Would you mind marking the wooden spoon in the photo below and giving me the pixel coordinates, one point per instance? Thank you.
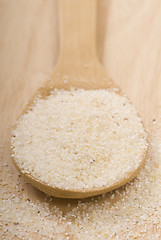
(77, 67)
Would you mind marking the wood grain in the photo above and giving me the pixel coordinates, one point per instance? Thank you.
(128, 46)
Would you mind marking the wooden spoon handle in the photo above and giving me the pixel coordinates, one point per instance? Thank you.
(77, 31)
(78, 65)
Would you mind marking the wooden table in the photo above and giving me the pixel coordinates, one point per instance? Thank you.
(128, 44)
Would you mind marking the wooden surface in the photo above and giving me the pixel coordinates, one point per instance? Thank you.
(128, 46)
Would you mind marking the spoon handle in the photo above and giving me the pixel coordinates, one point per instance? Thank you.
(77, 20)
(78, 65)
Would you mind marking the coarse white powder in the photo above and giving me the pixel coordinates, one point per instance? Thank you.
(130, 212)
(80, 139)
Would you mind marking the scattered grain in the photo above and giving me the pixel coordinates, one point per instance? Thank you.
(133, 212)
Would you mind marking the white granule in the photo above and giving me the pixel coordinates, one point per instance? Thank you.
(80, 139)
(132, 212)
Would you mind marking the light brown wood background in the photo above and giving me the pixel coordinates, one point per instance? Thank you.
(128, 44)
